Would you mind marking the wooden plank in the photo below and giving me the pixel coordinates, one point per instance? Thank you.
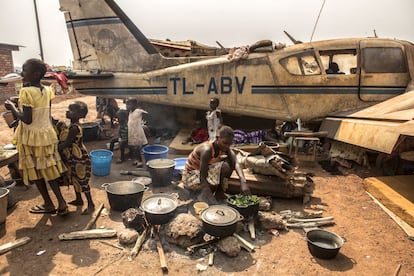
(176, 143)
(263, 185)
(404, 226)
(394, 192)
(14, 244)
(88, 234)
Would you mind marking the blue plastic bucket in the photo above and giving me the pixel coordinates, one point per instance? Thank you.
(179, 166)
(101, 160)
(154, 152)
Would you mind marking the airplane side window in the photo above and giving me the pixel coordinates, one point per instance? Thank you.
(301, 65)
(384, 60)
(340, 62)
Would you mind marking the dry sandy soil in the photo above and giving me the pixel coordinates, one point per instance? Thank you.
(375, 245)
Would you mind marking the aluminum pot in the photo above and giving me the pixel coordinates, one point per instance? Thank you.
(246, 211)
(123, 195)
(159, 208)
(220, 220)
(323, 244)
(161, 171)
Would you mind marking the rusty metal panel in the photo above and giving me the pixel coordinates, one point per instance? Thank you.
(374, 135)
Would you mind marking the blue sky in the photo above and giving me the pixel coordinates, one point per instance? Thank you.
(231, 22)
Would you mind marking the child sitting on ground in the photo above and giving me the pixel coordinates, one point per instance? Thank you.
(198, 135)
(75, 155)
(122, 139)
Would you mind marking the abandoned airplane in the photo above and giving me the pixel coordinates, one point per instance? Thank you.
(262, 80)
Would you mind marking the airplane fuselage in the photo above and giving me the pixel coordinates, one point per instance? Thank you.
(276, 83)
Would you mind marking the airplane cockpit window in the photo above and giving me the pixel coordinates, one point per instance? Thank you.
(342, 62)
(384, 60)
(303, 64)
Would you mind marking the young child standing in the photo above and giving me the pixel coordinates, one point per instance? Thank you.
(214, 119)
(136, 134)
(122, 139)
(75, 155)
(36, 139)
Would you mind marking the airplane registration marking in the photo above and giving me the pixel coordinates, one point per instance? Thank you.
(223, 85)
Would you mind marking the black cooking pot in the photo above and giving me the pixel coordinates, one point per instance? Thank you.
(220, 220)
(159, 208)
(323, 244)
(246, 211)
(123, 195)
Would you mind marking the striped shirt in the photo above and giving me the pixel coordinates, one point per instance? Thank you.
(193, 160)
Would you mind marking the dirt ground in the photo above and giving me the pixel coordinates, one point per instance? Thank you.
(375, 245)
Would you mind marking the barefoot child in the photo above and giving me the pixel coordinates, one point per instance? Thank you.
(122, 139)
(214, 119)
(136, 134)
(75, 155)
(36, 140)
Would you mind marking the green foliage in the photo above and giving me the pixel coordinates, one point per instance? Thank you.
(243, 200)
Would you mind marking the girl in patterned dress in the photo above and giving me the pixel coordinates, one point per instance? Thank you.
(75, 155)
(36, 140)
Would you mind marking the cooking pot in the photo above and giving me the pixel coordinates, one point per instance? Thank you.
(123, 195)
(323, 244)
(246, 211)
(159, 208)
(161, 171)
(220, 220)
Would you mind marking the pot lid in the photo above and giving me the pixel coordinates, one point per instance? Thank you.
(159, 204)
(161, 163)
(220, 215)
(142, 180)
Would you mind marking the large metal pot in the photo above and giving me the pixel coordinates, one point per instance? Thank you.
(220, 220)
(323, 244)
(161, 171)
(159, 208)
(123, 195)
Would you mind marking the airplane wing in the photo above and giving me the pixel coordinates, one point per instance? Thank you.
(378, 127)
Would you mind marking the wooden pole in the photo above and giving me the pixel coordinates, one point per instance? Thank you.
(137, 246)
(94, 217)
(11, 245)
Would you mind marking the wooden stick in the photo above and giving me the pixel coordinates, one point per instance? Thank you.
(88, 234)
(113, 245)
(242, 245)
(163, 260)
(94, 217)
(11, 245)
(192, 247)
(243, 241)
(252, 230)
(211, 258)
(137, 246)
(397, 270)
(310, 219)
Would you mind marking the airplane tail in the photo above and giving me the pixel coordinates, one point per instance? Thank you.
(103, 38)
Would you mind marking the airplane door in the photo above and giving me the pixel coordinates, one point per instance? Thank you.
(384, 71)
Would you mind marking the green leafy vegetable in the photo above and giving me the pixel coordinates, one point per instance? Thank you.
(243, 200)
